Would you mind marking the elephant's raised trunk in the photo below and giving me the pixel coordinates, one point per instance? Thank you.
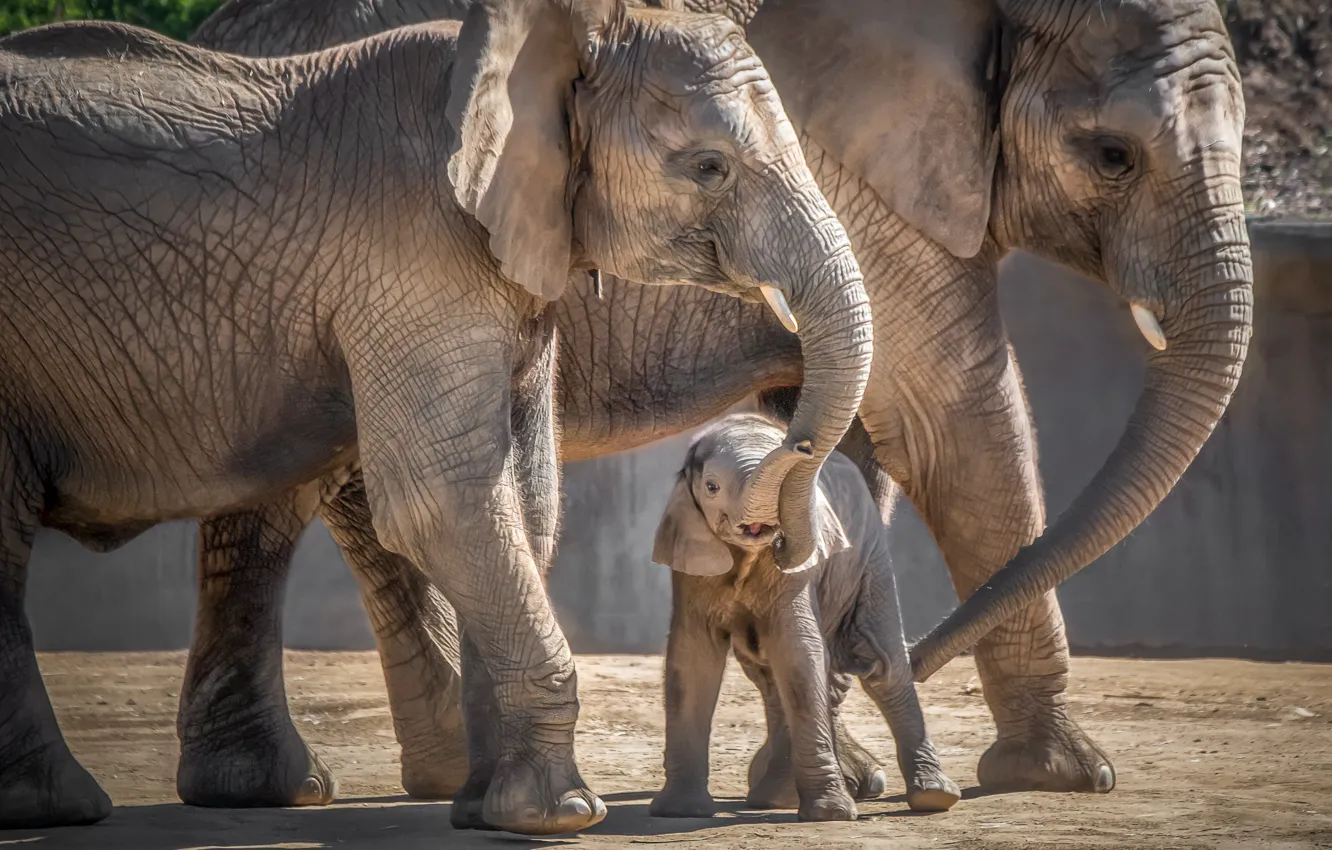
(832, 311)
(1186, 390)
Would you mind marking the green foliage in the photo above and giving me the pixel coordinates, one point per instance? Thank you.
(175, 18)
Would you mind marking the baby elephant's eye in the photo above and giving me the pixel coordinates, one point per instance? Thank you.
(712, 487)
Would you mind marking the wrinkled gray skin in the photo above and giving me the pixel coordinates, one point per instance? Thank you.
(224, 281)
(1100, 134)
(791, 632)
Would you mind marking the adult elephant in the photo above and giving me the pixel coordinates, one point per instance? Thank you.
(1101, 134)
(224, 279)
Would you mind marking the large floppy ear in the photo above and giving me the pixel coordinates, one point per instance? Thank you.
(684, 542)
(508, 105)
(904, 93)
(829, 536)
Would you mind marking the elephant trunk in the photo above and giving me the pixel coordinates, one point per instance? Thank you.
(828, 302)
(1186, 390)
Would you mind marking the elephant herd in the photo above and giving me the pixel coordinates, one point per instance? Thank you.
(389, 262)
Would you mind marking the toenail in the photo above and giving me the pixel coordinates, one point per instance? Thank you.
(1105, 779)
(600, 810)
(577, 806)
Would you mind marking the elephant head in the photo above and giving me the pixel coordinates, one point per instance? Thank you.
(1102, 134)
(652, 145)
(702, 523)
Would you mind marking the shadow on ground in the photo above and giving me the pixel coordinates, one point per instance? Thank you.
(368, 823)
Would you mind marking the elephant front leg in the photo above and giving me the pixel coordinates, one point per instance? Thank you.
(238, 745)
(417, 634)
(534, 435)
(800, 669)
(41, 783)
(695, 664)
(441, 474)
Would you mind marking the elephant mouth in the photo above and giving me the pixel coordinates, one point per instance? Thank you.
(756, 533)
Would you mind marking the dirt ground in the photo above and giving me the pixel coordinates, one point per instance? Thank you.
(1211, 754)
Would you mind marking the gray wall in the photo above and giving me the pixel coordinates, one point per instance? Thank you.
(1236, 561)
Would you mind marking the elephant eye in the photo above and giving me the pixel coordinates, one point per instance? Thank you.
(1114, 157)
(712, 487)
(707, 169)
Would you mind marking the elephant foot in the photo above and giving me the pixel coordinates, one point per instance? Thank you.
(49, 788)
(1063, 759)
(865, 779)
(694, 802)
(833, 804)
(469, 804)
(773, 792)
(253, 771)
(932, 791)
(438, 777)
(771, 785)
(528, 795)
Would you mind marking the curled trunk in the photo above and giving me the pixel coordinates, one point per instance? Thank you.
(836, 337)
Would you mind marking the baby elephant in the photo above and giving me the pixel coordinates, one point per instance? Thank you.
(838, 609)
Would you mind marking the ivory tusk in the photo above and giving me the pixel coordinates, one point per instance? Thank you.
(777, 301)
(1150, 327)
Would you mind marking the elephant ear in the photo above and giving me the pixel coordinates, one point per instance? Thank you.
(684, 542)
(508, 104)
(903, 93)
(829, 536)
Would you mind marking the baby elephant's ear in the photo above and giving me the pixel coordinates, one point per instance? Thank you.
(829, 536)
(684, 541)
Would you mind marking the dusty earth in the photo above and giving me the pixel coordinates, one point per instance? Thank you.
(1211, 754)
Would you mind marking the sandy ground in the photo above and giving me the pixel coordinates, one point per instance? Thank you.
(1211, 754)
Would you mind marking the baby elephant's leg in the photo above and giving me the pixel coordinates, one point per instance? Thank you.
(771, 785)
(800, 667)
(695, 663)
(889, 684)
(865, 779)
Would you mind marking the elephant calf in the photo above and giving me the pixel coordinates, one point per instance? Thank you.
(839, 606)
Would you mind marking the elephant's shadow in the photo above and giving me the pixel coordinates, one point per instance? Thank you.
(368, 823)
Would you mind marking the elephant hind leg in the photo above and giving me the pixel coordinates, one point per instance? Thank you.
(238, 745)
(888, 681)
(416, 632)
(41, 783)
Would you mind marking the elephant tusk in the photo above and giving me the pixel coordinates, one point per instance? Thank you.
(1150, 327)
(595, 275)
(777, 301)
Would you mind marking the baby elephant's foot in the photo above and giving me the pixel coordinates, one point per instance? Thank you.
(773, 792)
(692, 802)
(833, 804)
(931, 791)
(531, 795)
(865, 779)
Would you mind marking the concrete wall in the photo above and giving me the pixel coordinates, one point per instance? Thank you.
(1236, 561)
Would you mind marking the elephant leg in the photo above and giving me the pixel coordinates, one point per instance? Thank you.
(695, 664)
(865, 778)
(881, 647)
(238, 745)
(41, 783)
(771, 783)
(532, 423)
(416, 632)
(441, 473)
(957, 434)
(799, 665)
